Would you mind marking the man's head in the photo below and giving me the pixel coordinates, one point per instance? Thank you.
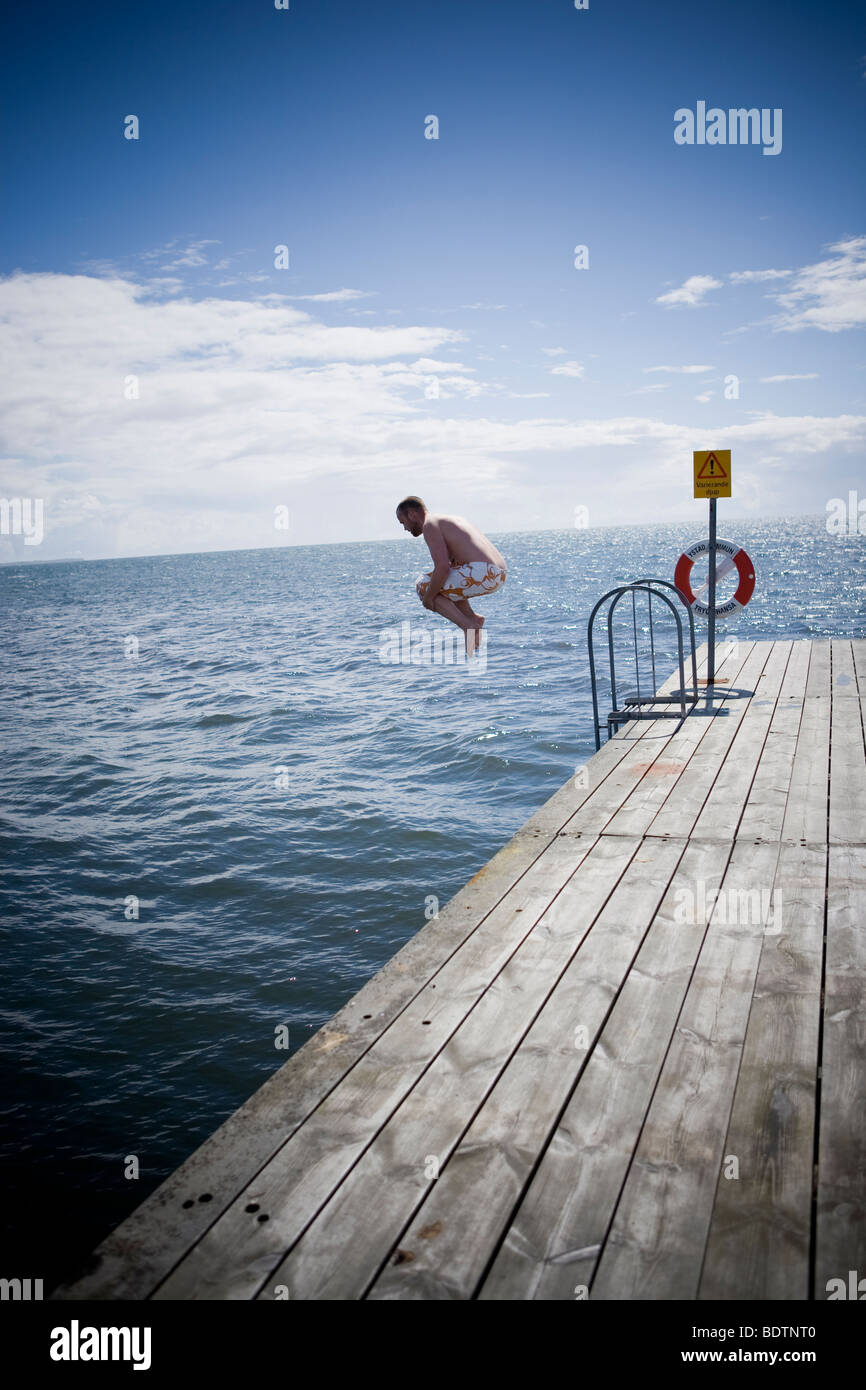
(410, 514)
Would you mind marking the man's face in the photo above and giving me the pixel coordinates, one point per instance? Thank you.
(411, 521)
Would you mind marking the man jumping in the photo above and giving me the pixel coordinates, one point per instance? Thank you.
(465, 565)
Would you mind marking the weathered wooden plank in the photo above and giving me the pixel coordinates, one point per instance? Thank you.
(239, 1250)
(553, 1243)
(444, 1253)
(645, 760)
(679, 813)
(767, 798)
(369, 1218)
(841, 1195)
(759, 1241)
(818, 684)
(656, 1243)
(727, 797)
(848, 769)
(806, 810)
(858, 653)
(844, 675)
(658, 778)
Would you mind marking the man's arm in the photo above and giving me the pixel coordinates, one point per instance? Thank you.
(441, 559)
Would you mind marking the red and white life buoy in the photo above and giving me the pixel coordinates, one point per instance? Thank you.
(737, 558)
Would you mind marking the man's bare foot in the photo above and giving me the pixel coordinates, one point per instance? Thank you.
(469, 612)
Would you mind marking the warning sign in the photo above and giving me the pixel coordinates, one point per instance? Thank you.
(712, 472)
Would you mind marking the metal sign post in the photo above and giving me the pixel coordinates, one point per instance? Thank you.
(711, 599)
(712, 468)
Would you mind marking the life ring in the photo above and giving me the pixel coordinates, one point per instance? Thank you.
(736, 556)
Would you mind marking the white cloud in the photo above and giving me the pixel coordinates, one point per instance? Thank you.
(246, 404)
(430, 364)
(691, 292)
(333, 296)
(218, 378)
(796, 376)
(555, 352)
(567, 369)
(528, 395)
(745, 277)
(706, 396)
(831, 294)
(687, 370)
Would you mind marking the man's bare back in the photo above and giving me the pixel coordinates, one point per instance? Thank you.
(464, 541)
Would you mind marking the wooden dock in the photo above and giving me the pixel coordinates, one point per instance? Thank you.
(626, 1061)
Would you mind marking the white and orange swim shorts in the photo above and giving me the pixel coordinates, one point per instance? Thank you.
(470, 580)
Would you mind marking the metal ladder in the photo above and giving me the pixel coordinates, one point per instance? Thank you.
(634, 703)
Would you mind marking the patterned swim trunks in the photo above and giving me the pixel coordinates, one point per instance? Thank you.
(469, 580)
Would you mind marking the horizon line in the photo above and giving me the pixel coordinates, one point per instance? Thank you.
(383, 540)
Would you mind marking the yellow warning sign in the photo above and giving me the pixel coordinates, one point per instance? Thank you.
(712, 472)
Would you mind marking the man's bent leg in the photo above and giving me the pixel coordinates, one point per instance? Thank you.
(466, 607)
(471, 626)
(449, 609)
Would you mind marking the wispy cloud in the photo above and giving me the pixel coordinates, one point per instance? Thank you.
(745, 277)
(691, 293)
(567, 369)
(172, 257)
(795, 376)
(688, 370)
(555, 352)
(830, 295)
(334, 296)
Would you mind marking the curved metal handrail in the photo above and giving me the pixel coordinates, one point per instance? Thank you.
(649, 586)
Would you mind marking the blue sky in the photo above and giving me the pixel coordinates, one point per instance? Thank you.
(431, 333)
